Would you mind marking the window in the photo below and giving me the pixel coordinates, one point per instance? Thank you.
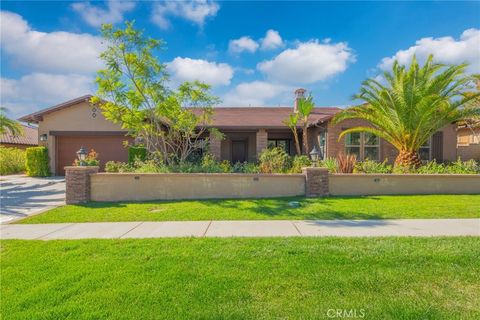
(363, 145)
(425, 150)
(279, 143)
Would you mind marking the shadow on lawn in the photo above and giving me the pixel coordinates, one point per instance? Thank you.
(268, 208)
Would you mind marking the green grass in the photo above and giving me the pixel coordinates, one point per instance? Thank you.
(290, 278)
(371, 207)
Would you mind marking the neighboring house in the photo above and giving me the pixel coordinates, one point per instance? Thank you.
(468, 142)
(75, 123)
(29, 138)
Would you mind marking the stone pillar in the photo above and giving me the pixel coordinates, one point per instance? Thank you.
(77, 181)
(215, 147)
(316, 182)
(262, 141)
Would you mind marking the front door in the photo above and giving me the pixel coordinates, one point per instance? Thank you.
(239, 151)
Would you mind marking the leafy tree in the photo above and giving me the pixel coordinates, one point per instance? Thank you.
(133, 91)
(8, 125)
(415, 102)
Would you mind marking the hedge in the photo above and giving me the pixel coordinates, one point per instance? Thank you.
(37, 162)
(12, 160)
(136, 153)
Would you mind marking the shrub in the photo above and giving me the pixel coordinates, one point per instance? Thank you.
(149, 166)
(12, 160)
(429, 168)
(274, 160)
(114, 166)
(465, 167)
(37, 163)
(330, 164)
(226, 166)
(370, 166)
(299, 162)
(210, 164)
(346, 162)
(137, 153)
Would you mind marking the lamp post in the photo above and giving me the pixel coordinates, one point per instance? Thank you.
(82, 154)
(314, 155)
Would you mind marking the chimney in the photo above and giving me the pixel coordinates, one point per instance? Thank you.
(299, 94)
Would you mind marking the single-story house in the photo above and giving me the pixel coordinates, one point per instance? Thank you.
(29, 138)
(66, 127)
(468, 140)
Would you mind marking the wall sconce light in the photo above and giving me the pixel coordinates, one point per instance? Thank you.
(43, 137)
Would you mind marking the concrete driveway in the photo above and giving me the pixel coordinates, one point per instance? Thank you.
(21, 196)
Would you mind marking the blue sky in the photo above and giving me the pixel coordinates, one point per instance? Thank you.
(253, 53)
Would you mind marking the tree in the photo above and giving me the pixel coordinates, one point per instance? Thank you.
(292, 122)
(412, 105)
(8, 125)
(133, 91)
(304, 108)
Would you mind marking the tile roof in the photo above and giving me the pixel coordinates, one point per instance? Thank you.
(29, 137)
(264, 117)
(223, 117)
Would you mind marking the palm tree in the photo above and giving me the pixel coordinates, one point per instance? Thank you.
(305, 107)
(8, 125)
(291, 122)
(413, 104)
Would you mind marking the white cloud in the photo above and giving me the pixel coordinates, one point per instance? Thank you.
(196, 11)
(95, 15)
(308, 63)
(445, 50)
(39, 90)
(58, 52)
(272, 40)
(243, 44)
(255, 93)
(186, 69)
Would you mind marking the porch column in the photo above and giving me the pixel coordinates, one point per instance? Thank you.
(262, 139)
(215, 147)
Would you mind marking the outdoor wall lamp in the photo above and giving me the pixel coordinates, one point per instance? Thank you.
(43, 137)
(314, 155)
(82, 154)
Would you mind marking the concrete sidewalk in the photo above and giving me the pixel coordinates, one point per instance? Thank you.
(260, 228)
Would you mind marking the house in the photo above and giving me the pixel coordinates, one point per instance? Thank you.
(468, 140)
(66, 127)
(29, 138)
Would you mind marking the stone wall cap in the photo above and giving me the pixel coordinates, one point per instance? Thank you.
(406, 175)
(80, 168)
(315, 168)
(200, 174)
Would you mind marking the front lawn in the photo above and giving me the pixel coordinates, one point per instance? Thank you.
(294, 278)
(368, 207)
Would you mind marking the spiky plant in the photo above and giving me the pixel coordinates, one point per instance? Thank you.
(414, 103)
(8, 125)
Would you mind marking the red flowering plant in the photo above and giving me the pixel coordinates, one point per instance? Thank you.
(90, 160)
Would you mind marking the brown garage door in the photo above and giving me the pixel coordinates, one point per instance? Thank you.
(108, 148)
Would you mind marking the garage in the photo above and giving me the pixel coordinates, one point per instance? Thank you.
(108, 147)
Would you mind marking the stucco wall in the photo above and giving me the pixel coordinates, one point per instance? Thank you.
(75, 118)
(142, 187)
(378, 184)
